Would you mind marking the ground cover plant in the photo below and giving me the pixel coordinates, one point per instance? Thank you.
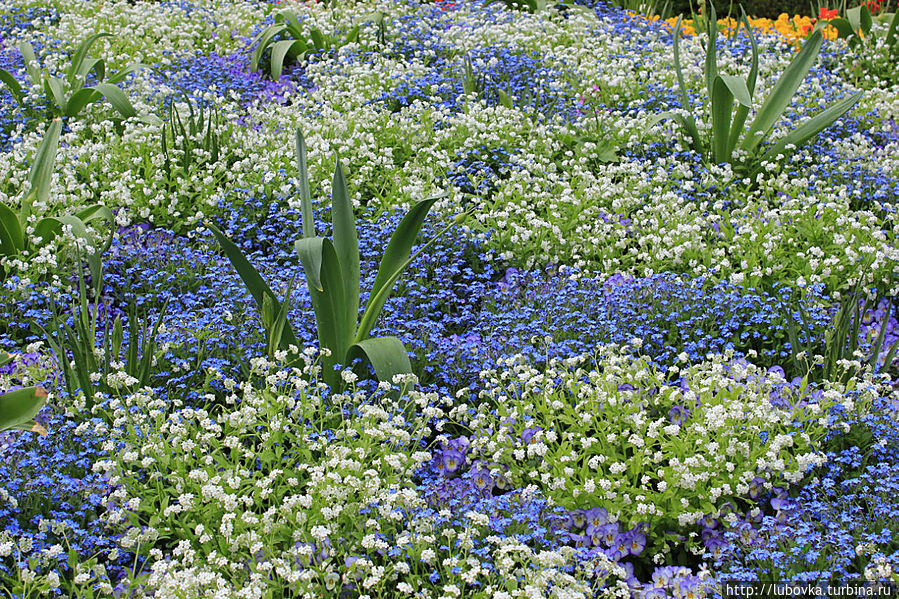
(445, 299)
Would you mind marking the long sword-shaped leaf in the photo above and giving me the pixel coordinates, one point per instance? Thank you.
(330, 308)
(13, 85)
(843, 27)
(394, 261)
(727, 88)
(291, 19)
(346, 243)
(263, 42)
(743, 109)
(309, 249)
(387, 355)
(119, 76)
(256, 285)
(711, 52)
(42, 170)
(275, 327)
(75, 68)
(860, 18)
(95, 64)
(782, 94)
(722, 109)
(812, 126)
(80, 99)
(282, 50)
(31, 64)
(54, 87)
(94, 260)
(116, 97)
(891, 32)
(48, 228)
(12, 238)
(688, 123)
(19, 407)
(305, 195)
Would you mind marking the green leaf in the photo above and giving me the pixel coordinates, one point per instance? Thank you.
(41, 173)
(12, 238)
(54, 87)
(281, 50)
(305, 195)
(13, 85)
(387, 355)
(254, 282)
(330, 308)
(131, 68)
(49, 227)
(394, 261)
(754, 66)
(739, 120)
(812, 126)
(843, 27)
(865, 20)
(75, 68)
(28, 56)
(276, 327)
(99, 211)
(688, 124)
(782, 94)
(268, 312)
(860, 19)
(116, 97)
(95, 64)
(891, 32)
(116, 339)
(46, 229)
(722, 108)
(80, 99)
(711, 52)
(309, 249)
(265, 38)
(605, 153)
(290, 17)
(79, 230)
(738, 88)
(318, 39)
(346, 243)
(19, 407)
